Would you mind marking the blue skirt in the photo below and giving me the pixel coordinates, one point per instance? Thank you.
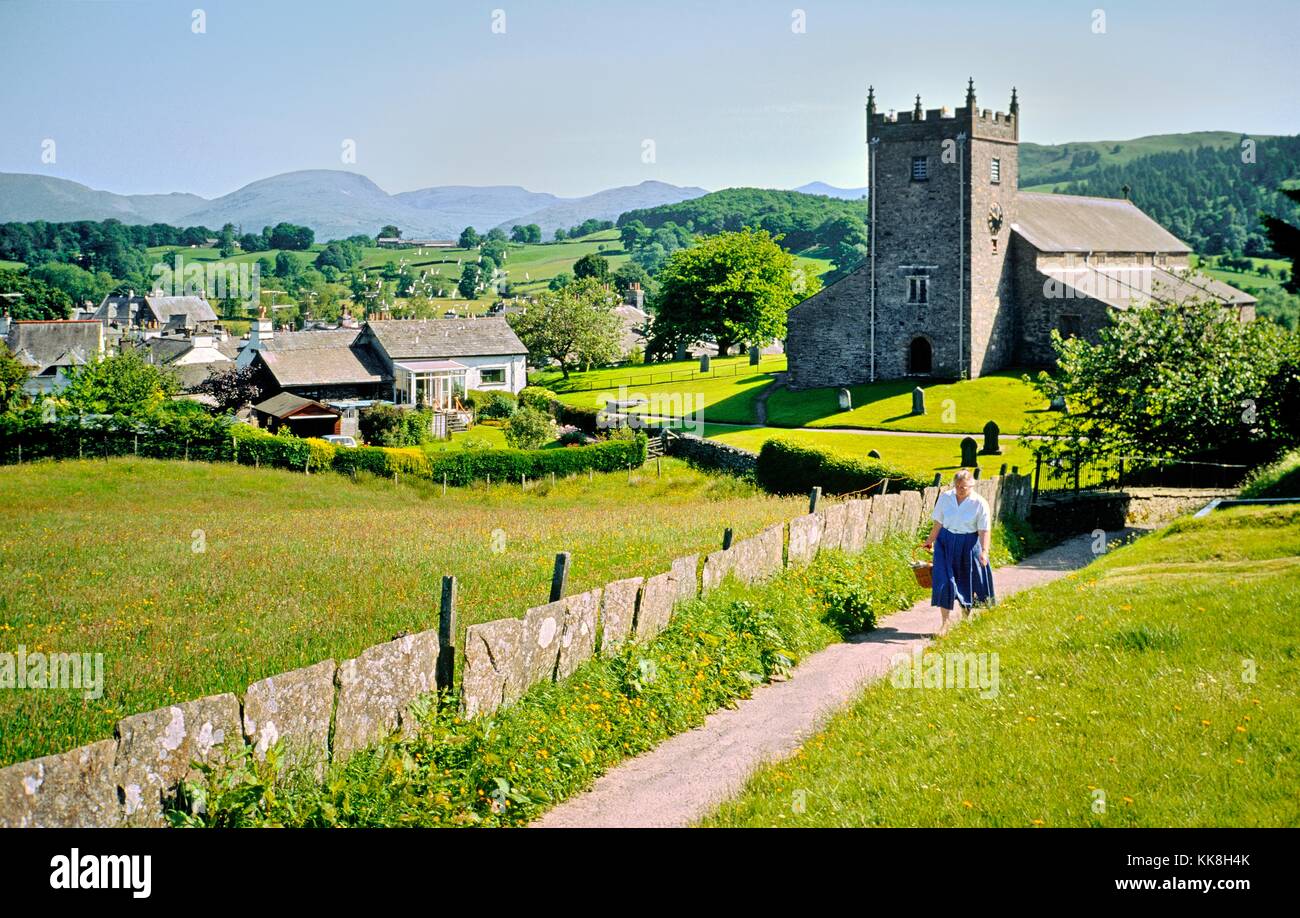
(958, 575)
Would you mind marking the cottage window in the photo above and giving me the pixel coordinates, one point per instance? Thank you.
(920, 168)
(995, 171)
(918, 290)
(492, 376)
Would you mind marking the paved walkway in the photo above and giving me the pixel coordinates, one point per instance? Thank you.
(683, 778)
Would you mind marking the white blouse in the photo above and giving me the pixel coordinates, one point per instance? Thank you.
(971, 515)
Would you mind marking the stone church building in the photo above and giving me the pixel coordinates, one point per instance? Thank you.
(967, 274)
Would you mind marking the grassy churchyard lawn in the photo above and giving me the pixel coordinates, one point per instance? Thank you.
(921, 456)
(725, 394)
(729, 393)
(950, 407)
(193, 578)
(1157, 687)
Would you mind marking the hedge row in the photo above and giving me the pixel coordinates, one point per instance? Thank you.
(27, 436)
(204, 438)
(456, 467)
(787, 467)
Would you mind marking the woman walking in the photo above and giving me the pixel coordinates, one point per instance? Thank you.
(960, 542)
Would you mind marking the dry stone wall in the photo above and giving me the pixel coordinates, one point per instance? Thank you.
(326, 712)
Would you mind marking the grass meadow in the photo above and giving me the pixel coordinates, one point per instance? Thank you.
(104, 557)
(1156, 687)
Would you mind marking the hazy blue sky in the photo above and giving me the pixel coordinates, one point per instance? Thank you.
(562, 101)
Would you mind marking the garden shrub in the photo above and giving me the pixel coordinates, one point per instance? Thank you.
(787, 467)
(383, 424)
(585, 419)
(529, 428)
(536, 397)
(491, 403)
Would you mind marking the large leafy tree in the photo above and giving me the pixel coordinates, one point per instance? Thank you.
(574, 325)
(592, 265)
(35, 300)
(1169, 382)
(12, 376)
(727, 288)
(120, 384)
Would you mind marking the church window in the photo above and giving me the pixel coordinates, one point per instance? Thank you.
(995, 171)
(918, 290)
(920, 168)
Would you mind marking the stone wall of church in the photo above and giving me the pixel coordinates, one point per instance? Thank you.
(992, 321)
(1041, 308)
(827, 334)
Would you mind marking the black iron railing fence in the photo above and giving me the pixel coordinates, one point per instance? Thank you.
(1119, 472)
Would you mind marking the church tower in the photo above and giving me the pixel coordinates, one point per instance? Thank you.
(943, 198)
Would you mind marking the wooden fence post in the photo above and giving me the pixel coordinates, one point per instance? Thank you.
(726, 538)
(446, 668)
(560, 577)
(938, 479)
(1038, 471)
(444, 484)
(813, 498)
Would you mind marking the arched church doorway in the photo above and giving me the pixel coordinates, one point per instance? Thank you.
(920, 357)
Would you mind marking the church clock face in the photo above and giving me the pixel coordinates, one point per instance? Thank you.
(995, 218)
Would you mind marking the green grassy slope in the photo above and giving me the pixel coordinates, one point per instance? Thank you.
(1158, 687)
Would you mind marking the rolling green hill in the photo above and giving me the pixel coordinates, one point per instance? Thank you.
(1044, 165)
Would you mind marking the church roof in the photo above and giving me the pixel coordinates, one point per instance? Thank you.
(1122, 287)
(1070, 223)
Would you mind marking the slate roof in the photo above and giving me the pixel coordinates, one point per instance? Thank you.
(1072, 223)
(408, 339)
(119, 309)
(43, 345)
(321, 358)
(195, 309)
(1122, 287)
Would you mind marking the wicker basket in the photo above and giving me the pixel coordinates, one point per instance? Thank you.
(923, 570)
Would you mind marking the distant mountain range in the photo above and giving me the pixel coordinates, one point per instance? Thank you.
(847, 194)
(334, 203)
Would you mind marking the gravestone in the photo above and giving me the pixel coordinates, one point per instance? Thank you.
(969, 452)
(846, 400)
(754, 355)
(874, 453)
(991, 447)
(1058, 403)
(918, 400)
(680, 352)
(704, 363)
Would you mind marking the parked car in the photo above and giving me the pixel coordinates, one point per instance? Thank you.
(339, 440)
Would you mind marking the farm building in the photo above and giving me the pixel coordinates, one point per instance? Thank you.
(178, 313)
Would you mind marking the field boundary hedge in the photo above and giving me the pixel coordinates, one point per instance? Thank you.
(204, 438)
